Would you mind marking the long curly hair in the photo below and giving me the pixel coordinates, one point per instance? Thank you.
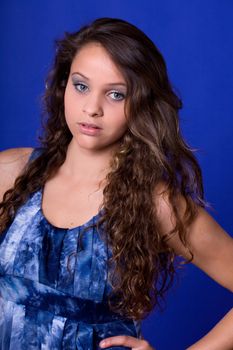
(151, 151)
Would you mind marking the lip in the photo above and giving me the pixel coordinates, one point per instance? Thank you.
(90, 125)
(89, 129)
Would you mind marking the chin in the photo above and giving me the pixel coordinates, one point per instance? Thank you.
(92, 144)
(89, 145)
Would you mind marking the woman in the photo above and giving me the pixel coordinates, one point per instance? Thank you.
(92, 221)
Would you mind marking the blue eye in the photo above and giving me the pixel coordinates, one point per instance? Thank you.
(119, 94)
(80, 87)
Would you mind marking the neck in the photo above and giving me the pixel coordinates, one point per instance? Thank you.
(86, 164)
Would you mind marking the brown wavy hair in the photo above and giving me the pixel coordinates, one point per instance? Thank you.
(150, 152)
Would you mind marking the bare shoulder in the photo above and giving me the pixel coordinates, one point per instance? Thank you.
(211, 245)
(12, 162)
(163, 208)
(15, 155)
(167, 221)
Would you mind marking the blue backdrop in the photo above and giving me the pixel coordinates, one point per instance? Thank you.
(196, 39)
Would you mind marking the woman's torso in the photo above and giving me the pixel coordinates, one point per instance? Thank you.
(54, 286)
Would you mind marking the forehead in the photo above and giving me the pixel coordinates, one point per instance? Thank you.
(93, 60)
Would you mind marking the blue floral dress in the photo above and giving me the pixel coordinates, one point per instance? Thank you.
(54, 286)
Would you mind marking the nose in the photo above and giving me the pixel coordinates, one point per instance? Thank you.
(93, 106)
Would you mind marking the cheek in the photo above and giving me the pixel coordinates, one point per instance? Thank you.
(118, 128)
(70, 108)
(120, 121)
(66, 104)
(116, 117)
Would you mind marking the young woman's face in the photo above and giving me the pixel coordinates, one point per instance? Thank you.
(94, 99)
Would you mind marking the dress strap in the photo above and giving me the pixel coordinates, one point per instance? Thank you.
(35, 153)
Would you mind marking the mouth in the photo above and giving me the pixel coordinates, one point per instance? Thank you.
(89, 129)
(90, 126)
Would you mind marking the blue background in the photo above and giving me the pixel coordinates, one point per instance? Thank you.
(196, 39)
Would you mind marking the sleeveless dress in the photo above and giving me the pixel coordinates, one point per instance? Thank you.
(54, 287)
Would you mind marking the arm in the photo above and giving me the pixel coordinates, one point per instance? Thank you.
(220, 337)
(12, 162)
(213, 253)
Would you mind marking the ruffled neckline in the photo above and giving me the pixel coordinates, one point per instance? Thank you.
(43, 217)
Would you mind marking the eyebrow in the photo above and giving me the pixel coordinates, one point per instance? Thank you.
(109, 84)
